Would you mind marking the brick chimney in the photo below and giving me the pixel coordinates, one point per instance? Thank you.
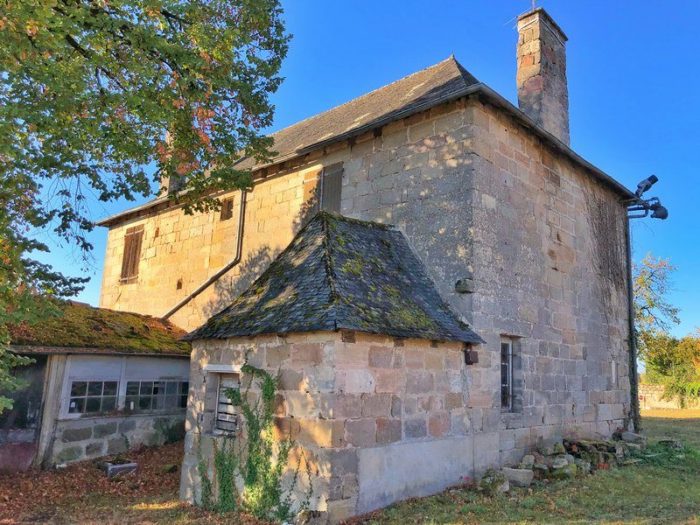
(542, 89)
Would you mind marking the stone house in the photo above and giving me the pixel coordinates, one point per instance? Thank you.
(521, 239)
(100, 382)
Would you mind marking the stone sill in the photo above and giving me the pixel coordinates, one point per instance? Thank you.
(123, 416)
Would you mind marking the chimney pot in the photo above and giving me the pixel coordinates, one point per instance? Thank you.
(543, 93)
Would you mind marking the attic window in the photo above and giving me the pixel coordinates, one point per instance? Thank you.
(132, 254)
(331, 184)
(226, 210)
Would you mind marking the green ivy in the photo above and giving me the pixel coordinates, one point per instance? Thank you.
(257, 459)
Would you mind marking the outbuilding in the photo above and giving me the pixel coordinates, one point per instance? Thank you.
(100, 383)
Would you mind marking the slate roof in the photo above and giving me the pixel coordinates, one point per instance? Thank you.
(443, 82)
(340, 273)
(81, 328)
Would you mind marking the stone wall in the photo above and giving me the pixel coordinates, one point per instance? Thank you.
(379, 419)
(94, 437)
(652, 397)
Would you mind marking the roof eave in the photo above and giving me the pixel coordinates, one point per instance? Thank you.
(59, 350)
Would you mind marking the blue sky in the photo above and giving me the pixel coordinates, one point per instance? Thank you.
(634, 80)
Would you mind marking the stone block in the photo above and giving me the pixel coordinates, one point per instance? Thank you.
(380, 356)
(357, 381)
(69, 454)
(519, 477)
(347, 406)
(94, 449)
(419, 382)
(104, 429)
(439, 424)
(323, 433)
(127, 425)
(361, 432)
(291, 379)
(343, 461)
(116, 446)
(76, 434)
(388, 430)
(415, 428)
(307, 354)
(376, 405)
(389, 380)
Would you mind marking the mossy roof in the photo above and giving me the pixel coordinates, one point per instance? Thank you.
(342, 274)
(83, 328)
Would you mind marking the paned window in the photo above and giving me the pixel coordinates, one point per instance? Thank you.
(507, 374)
(149, 396)
(93, 397)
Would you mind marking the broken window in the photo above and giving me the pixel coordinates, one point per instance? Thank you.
(226, 209)
(148, 396)
(226, 412)
(331, 185)
(93, 397)
(132, 254)
(507, 374)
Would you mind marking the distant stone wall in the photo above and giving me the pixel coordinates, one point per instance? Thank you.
(94, 437)
(651, 397)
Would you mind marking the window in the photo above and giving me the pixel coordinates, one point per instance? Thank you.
(226, 210)
(149, 396)
(331, 184)
(93, 397)
(132, 254)
(226, 413)
(507, 374)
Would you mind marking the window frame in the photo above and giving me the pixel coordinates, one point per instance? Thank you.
(131, 256)
(86, 396)
(226, 212)
(507, 398)
(235, 416)
(333, 170)
(181, 393)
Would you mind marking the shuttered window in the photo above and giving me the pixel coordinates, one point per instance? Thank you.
(226, 209)
(132, 254)
(331, 184)
(226, 412)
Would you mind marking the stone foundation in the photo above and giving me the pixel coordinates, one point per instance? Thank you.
(94, 437)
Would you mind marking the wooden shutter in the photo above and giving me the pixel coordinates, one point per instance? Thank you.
(331, 184)
(132, 253)
(226, 209)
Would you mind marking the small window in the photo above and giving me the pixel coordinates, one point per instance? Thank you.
(132, 254)
(331, 185)
(226, 210)
(226, 412)
(150, 396)
(507, 374)
(93, 397)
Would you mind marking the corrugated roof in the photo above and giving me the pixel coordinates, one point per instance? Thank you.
(87, 329)
(342, 274)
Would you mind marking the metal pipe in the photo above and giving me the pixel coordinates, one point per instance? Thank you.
(236, 259)
(634, 378)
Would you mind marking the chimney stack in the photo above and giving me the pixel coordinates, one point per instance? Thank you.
(543, 93)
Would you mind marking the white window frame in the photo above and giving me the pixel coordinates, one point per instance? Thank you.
(95, 374)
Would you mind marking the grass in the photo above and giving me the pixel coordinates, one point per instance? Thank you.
(663, 489)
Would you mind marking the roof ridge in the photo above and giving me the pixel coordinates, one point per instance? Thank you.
(365, 95)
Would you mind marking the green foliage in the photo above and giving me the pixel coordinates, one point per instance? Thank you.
(257, 459)
(94, 94)
(652, 311)
(675, 364)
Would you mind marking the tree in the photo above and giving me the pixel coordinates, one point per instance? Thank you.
(108, 97)
(675, 364)
(653, 314)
